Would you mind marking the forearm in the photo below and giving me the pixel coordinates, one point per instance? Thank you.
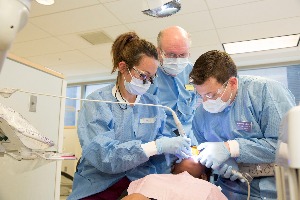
(256, 150)
(111, 156)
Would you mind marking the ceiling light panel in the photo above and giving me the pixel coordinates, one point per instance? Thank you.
(262, 44)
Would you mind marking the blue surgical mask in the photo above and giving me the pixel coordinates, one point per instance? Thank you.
(136, 86)
(174, 66)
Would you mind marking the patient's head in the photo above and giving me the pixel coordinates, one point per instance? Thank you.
(135, 196)
(193, 167)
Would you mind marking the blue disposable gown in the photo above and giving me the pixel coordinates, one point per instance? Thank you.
(111, 140)
(262, 102)
(172, 92)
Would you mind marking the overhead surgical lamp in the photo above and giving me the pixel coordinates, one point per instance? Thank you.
(160, 9)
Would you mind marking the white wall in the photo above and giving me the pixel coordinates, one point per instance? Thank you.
(43, 182)
(71, 144)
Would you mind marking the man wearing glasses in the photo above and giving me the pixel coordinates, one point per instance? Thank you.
(172, 83)
(238, 120)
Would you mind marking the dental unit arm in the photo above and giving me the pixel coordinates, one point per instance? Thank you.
(20, 140)
(13, 17)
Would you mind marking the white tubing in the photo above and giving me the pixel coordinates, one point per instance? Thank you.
(177, 121)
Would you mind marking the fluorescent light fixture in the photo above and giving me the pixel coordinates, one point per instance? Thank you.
(262, 44)
(46, 2)
(164, 10)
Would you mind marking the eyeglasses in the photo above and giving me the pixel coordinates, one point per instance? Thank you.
(144, 76)
(221, 90)
(173, 55)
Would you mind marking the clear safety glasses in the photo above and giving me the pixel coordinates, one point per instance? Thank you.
(214, 95)
(173, 55)
(143, 76)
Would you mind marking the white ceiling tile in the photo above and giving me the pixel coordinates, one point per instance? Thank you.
(132, 13)
(149, 29)
(59, 6)
(189, 6)
(61, 58)
(30, 32)
(196, 52)
(98, 52)
(75, 41)
(260, 30)
(193, 22)
(115, 31)
(78, 20)
(105, 1)
(212, 4)
(204, 38)
(39, 47)
(259, 11)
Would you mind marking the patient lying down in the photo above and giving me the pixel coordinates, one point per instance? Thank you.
(188, 181)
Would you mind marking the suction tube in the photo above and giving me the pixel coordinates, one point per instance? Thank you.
(7, 92)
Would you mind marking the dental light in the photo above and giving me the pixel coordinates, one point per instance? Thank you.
(159, 10)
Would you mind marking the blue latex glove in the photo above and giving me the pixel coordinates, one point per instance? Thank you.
(213, 154)
(225, 170)
(179, 146)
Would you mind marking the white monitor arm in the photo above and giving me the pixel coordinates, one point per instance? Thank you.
(13, 17)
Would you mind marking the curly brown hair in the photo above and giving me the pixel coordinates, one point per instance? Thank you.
(213, 64)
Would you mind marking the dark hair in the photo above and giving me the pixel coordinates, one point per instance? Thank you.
(128, 47)
(215, 64)
(192, 167)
